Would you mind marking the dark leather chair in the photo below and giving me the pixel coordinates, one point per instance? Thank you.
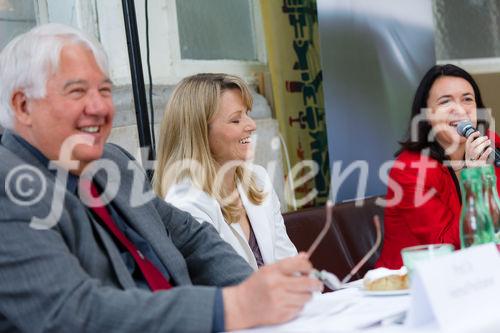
(358, 233)
(303, 226)
(350, 237)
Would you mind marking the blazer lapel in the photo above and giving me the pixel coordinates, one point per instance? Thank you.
(154, 233)
(122, 273)
(116, 259)
(261, 224)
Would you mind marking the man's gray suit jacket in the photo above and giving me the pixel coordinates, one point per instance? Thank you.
(71, 277)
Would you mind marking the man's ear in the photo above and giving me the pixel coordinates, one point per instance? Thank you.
(19, 104)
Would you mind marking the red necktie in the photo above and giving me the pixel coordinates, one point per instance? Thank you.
(153, 276)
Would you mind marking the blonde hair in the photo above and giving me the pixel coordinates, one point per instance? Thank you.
(184, 150)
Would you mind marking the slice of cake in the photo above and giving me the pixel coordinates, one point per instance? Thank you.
(383, 279)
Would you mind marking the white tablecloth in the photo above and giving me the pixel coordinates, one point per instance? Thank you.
(350, 310)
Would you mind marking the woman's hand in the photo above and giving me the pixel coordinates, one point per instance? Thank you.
(477, 150)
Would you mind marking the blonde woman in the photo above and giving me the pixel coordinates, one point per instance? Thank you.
(204, 148)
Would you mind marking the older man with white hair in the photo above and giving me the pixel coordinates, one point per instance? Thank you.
(80, 247)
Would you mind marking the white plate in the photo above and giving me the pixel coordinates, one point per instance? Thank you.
(385, 292)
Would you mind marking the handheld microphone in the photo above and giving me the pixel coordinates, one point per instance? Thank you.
(465, 129)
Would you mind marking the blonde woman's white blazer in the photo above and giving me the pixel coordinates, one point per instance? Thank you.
(266, 219)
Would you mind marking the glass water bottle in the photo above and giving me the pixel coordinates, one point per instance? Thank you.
(476, 225)
(491, 198)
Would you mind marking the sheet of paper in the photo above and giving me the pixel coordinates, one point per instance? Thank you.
(342, 311)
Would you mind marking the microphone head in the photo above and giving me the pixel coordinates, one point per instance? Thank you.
(465, 128)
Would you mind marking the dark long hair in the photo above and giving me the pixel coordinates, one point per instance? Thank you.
(420, 102)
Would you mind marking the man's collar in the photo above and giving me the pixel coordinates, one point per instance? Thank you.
(72, 183)
(34, 151)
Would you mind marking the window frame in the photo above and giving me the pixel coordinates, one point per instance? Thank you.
(475, 65)
(484, 65)
(168, 67)
(180, 68)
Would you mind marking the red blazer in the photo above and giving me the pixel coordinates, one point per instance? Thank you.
(429, 209)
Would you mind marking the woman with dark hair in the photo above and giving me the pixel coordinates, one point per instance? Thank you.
(424, 198)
